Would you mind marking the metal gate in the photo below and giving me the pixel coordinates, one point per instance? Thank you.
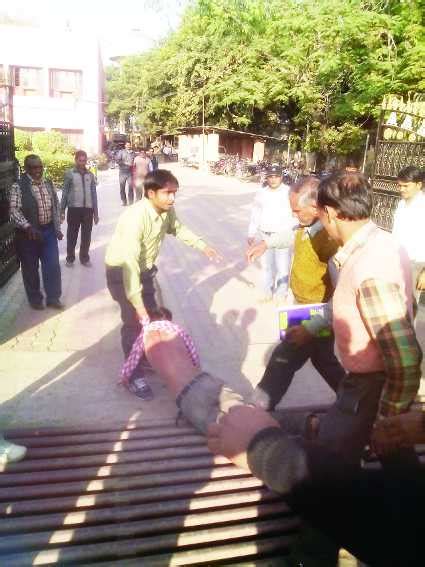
(400, 142)
(8, 171)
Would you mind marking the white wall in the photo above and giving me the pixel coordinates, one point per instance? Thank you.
(33, 47)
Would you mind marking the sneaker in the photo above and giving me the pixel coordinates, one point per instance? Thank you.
(69, 263)
(11, 453)
(140, 388)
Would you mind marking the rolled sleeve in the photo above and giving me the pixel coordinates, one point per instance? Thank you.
(383, 310)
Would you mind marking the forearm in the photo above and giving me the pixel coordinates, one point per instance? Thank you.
(18, 219)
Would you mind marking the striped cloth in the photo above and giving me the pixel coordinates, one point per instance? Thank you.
(138, 349)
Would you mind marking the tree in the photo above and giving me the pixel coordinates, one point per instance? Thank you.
(260, 65)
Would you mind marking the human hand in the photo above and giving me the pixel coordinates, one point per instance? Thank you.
(33, 233)
(298, 335)
(392, 433)
(95, 219)
(59, 235)
(62, 217)
(420, 282)
(233, 434)
(256, 251)
(212, 254)
(250, 240)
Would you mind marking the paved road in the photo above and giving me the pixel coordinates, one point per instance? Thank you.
(62, 369)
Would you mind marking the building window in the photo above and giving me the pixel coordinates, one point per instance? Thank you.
(64, 84)
(27, 81)
(73, 137)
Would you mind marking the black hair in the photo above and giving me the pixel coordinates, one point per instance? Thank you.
(30, 157)
(158, 179)
(411, 173)
(348, 193)
(79, 153)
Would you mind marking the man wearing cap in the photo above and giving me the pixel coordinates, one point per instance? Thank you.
(270, 214)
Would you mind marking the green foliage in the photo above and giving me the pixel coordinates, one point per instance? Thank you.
(22, 141)
(56, 154)
(50, 142)
(272, 65)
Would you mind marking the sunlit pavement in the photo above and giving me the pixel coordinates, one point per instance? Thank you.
(62, 368)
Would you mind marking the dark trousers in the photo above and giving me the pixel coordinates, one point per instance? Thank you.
(131, 327)
(287, 358)
(31, 254)
(126, 178)
(79, 217)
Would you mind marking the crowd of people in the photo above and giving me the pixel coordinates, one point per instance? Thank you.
(318, 244)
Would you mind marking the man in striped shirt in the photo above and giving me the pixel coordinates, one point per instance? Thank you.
(34, 210)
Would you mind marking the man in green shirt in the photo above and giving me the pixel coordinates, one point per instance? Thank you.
(131, 254)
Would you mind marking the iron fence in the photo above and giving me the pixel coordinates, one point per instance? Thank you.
(400, 142)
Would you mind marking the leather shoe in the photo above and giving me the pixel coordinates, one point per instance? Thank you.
(37, 306)
(57, 304)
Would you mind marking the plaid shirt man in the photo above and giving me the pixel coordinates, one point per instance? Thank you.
(384, 313)
(44, 204)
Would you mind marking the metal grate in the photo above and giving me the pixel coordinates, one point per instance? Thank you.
(141, 495)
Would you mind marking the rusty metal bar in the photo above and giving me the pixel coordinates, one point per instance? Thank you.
(134, 547)
(275, 548)
(69, 503)
(116, 447)
(109, 436)
(135, 512)
(115, 484)
(28, 465)
(144, 528)
(110, 471)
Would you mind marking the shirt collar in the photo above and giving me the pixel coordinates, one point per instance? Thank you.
(34, 182)
(153, 214)
(313, 229)
(358, 240)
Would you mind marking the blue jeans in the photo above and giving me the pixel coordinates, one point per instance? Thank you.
(275, 268)
(31, 254)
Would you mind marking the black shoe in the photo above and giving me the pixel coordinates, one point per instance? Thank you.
(56, 304)
(69, 263)
(37, 306)
(124, 203)
(86, 263)
(140, 388)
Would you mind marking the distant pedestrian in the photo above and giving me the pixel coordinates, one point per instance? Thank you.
(409, 223)
(125, 159)
(141, 167)
(154, 160)
(80, 197)
(271, 213)
(34, 210)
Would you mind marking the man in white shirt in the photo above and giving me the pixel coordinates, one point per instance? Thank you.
(409, 223)
(271, 213)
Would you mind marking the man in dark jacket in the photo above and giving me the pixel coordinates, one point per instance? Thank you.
(34, 210)
(125, 159)
(80, 196)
